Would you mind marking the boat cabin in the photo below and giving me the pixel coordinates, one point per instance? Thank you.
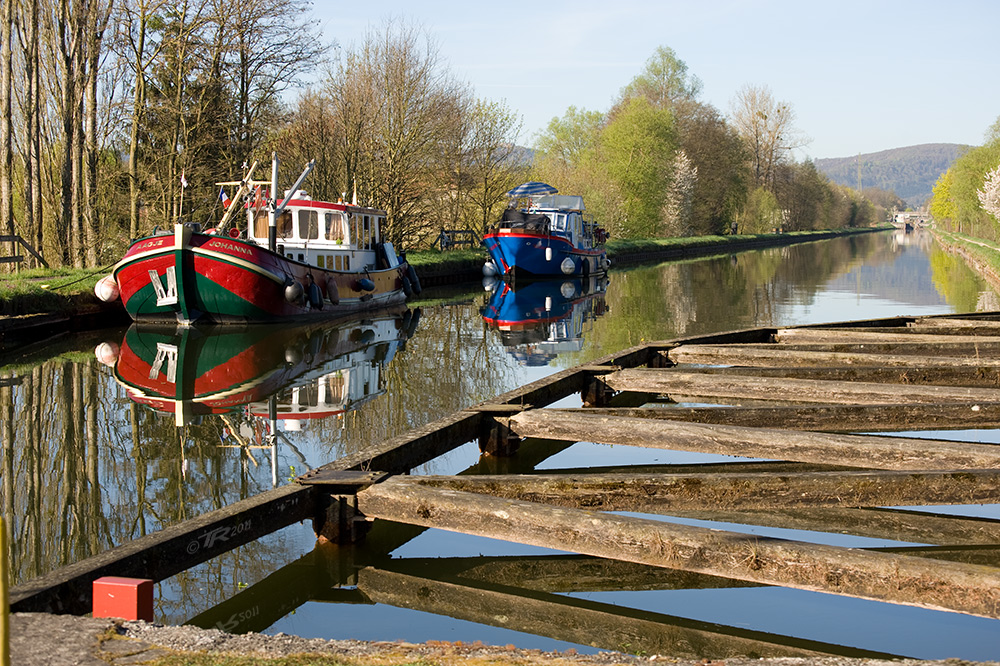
(335, 236)
(561, 215)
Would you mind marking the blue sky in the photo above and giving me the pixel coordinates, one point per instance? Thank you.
(860, 76)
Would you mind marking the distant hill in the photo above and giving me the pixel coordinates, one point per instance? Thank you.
(909, 172)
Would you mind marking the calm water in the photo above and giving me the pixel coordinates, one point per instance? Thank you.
(111, 435)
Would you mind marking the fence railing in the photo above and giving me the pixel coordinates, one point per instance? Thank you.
(18, 258)
(450, 239)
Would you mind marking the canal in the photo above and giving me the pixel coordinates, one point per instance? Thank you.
(117, 433)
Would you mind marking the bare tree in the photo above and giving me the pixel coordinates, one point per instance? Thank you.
(272, 43)
(492, 158)
(411, 103)
(767, 128)
(140, 51)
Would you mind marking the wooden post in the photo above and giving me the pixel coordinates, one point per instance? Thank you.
(496, 438)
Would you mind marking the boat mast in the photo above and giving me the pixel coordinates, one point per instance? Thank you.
(277, 209)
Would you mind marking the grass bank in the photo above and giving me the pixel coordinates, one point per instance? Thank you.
(982, 256)
(57, 291)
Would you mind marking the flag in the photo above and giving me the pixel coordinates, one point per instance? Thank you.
(258, 200)
(184, 181)
(224, 198)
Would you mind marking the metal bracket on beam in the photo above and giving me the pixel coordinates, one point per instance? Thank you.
(498, 408)
(340, 482)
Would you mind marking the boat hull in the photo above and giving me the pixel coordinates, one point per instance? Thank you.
(187, 277)
(523, 255)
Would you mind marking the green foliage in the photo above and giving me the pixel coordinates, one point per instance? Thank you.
(637, 150)
(664, 81)
(968, 174)
(761, 213)
(941, 205)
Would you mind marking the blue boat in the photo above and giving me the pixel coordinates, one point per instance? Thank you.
(544, 235)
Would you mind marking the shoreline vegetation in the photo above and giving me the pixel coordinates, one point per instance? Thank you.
(69, 293)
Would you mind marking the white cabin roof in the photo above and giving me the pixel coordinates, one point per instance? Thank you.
(567, 202)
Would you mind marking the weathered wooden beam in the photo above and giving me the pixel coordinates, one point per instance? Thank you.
(870, 575)
(985, 328)
(984, 320)
(867, 451)
(162, 554)
(941, 376)
(917, 347)
(856, 337)
(792, 389)
(774, 356)
(892, 524)
(829, 418)
(580, 621)
(664, 493)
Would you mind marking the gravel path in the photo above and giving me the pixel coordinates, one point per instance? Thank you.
(39, 639)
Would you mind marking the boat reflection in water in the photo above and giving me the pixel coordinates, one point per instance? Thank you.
(540, 320)
(260, 374)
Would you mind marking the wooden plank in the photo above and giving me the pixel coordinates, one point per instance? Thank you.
(871, 575)
(940, 376)
(829, 418)
(167, 552)
(892, 524)
(580, 621)
(776, 356)
(867, 451)
(664, 493)
(16, 259)
(987, 320)
(855, 336)
(668, 381)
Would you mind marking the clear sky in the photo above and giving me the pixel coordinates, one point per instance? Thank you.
(861, 76)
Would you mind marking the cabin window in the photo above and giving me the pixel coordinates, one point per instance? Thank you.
(335, 386)
(338, 265)
(301, 258)
(366, 233)
(559, 221)
(347, 263)
(335, 226)
(284, 224)
(308, 224)
(260, 224)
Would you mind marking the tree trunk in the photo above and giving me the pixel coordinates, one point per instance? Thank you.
(6, 154)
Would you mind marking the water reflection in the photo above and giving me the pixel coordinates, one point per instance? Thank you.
(319, 370)
(160, 425)
(539, 320)
(93, 456)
